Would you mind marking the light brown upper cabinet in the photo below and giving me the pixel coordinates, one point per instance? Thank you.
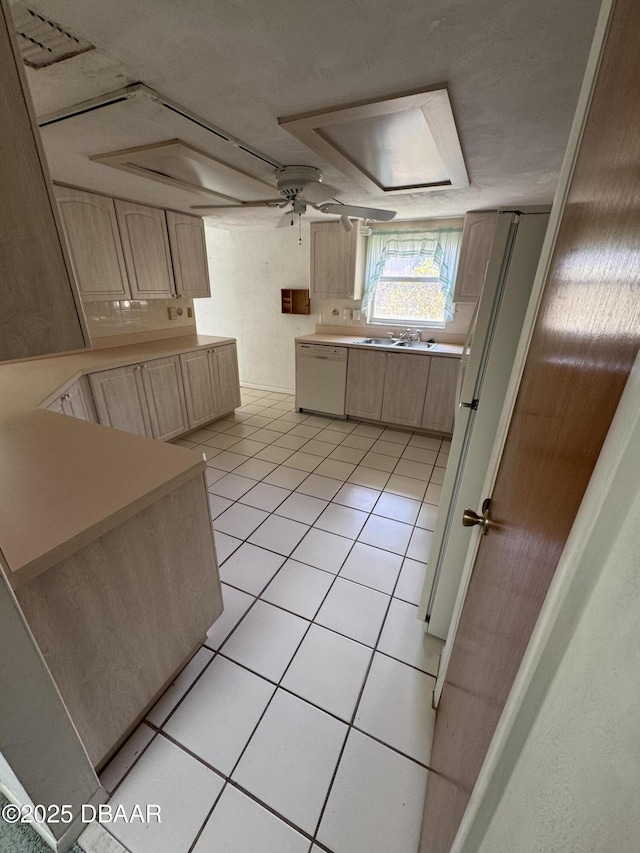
(336, 261)
(91, 228)
(145, 243)
(477, 238)
(189, 254)
(41, 311)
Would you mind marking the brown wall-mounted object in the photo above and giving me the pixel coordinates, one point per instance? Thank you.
(295, 301)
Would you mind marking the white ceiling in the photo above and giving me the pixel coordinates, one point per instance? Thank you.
(513, 70)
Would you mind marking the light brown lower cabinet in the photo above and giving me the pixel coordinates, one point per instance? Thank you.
(365, 384)
(405, 384)
(416, 391)
(440, 402)
(166, 397)
(117, 620)
(76, 402)
(211, 383)
(164, 392)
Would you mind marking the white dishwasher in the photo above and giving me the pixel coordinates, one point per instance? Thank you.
(321, 378)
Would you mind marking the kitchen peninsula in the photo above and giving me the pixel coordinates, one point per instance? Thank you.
(106, 539)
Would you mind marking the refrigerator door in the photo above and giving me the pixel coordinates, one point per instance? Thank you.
(510, 273)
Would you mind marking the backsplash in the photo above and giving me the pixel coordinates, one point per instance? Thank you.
(137, 317)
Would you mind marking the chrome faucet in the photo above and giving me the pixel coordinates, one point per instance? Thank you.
(391, 335)
(406, 335)
(418, 334)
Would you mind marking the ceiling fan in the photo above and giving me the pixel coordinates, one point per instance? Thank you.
(302, 187)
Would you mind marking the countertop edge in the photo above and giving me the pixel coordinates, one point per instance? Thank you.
(351, 341)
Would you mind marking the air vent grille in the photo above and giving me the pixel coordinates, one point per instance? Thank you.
(43, 42)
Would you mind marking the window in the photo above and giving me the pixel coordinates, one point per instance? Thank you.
(410, 276)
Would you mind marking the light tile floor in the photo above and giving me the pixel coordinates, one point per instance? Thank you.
(305, 722)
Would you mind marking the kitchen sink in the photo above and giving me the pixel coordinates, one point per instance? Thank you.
(386, 342)
(379, 342)
(415, 344)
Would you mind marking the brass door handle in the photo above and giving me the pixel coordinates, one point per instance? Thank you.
(471, 518)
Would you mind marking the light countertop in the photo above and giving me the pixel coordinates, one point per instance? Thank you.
(65, 482)
(451, 350)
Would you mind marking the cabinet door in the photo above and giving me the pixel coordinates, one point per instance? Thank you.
(405, 386)
(365, 384)
(39, 311)
(162, 382)
(120, 399)
(93, 240)
(78, 401)
(226, 383)
(477, 238)
(189, 254)
(439, 404)
(333, 260)
(145, 244)
(198, 378)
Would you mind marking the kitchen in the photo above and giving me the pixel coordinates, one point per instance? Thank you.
(250, 314)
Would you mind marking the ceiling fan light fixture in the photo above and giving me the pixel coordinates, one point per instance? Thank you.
(346, 223)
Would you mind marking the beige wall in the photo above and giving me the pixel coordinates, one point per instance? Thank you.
(247, 271)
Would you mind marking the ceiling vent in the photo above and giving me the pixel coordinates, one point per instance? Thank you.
(43, 42)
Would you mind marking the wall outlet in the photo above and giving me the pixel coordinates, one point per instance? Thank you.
(346, 313)
(173, 313)
(190, 312)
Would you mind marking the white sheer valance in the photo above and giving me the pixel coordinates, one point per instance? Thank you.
(441, 245)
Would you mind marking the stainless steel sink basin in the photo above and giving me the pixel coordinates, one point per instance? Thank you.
(377, 342)
(387, 342)
(414, 345)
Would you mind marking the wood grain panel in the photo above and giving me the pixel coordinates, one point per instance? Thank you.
(120, 399)
(93, 240)
(145, 243)
(333, 260)
(439, 404)
(39, 310)
(162, 382)
(189, 254)
(405, 385)
(477, 239)
(115, 620)
(227, 384)
(365, 384)
(198, 387)
(584, 344)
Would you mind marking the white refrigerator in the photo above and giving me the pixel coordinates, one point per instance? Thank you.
(485, 370)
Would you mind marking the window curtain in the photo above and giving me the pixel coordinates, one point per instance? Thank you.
(439, 244)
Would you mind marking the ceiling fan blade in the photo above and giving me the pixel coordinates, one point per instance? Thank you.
(285, 219)
(268, 203)
(315, 192)
(357, 212)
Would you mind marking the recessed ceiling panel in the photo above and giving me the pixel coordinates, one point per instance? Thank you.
(395, 150)
(404, 144)
(178, 164)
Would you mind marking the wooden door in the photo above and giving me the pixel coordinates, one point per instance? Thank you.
(365, 384)
(224, 361)
(145, 244)
(198, 378)
(189, 254)
(405, 384)
(120, 399)
(162, 380)
(583, 346)
(439, 403)
(93, 240)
